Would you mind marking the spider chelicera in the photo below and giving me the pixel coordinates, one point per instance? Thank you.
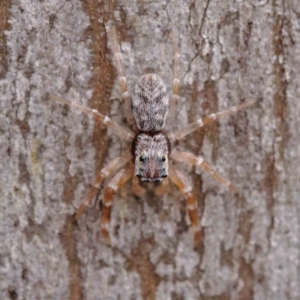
(149, 159)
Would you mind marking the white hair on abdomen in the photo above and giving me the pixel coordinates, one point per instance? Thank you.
(150, 103)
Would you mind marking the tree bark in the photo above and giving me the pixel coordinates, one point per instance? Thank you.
(230, 51)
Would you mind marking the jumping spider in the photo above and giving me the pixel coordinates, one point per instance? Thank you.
(149, 160)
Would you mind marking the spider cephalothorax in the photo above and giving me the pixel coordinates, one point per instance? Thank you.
(151, 151)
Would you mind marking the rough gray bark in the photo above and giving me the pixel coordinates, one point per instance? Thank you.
(49, 154)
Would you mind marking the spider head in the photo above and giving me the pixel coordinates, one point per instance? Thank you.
(150, 152)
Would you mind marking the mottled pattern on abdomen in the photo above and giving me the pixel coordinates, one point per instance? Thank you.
(150, 103)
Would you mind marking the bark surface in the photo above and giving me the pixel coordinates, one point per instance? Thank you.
(230, 51)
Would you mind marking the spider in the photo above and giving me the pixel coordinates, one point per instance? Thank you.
(151, 152)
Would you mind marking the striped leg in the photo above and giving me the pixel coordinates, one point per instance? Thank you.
(113, 166)
(179, 134)
(122, 78)
(180, 181)
(176, 80)
(120, 178)
(124, 133)
(192, 159)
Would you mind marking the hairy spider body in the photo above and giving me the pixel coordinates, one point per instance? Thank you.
(149, 160)
(150, 152)
(151, 147)
(150, 103)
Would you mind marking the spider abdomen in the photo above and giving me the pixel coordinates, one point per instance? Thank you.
(150, 103)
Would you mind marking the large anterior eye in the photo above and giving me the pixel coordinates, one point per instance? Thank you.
(163, 158)
(142, 158)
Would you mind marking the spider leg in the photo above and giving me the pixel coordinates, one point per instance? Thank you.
(114, 165)
(118, 180)
(192, 159)
(122, 78)
(176, 80)
(136, 188)
(179, 134)
(181, 182)
(124, 133)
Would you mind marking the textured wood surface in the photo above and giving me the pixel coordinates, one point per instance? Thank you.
(230, 51)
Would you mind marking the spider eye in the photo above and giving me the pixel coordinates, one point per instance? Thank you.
(164, 176)
(163, 158)
(142, 158)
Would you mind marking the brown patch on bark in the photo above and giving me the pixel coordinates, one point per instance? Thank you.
(245, 271)
(227, 258)
(245, 225)
(280, 98)
(246, 274)
(219, 297)
(4, 25)
(24, 174)
(68, 241)
(212, 129)
(71, 183)
(23, 125)
(270, 183)
(140, 262)
(198, 137)
(104, 72)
